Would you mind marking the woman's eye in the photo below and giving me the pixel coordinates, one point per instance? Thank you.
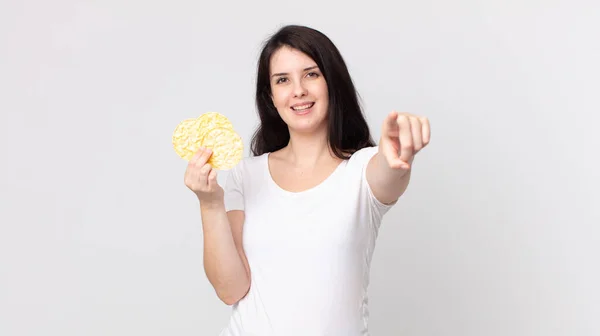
(280, 80)
(313, 74)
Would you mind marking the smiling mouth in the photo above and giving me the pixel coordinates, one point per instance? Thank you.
(302, 107)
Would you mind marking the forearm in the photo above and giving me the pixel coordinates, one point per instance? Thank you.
(387, 183)
(222, 262)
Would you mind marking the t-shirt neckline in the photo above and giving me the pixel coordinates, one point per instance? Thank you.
(273, 185)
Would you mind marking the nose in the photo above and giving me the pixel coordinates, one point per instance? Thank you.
(299, 89)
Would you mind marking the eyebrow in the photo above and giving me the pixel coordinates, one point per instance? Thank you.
(285, 73)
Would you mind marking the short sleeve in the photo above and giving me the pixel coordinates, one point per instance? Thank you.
(377, 208)
(233, 190)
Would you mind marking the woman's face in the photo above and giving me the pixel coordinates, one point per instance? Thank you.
(299, 90)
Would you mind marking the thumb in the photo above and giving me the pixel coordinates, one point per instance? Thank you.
(389, 149)
(212, 179)
(392, 158)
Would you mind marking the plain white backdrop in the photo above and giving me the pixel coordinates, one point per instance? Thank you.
(497, 235)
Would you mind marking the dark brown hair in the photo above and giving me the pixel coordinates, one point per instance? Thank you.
(347, 127)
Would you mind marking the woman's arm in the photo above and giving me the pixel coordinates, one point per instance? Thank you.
(225, 262)
(388, 172)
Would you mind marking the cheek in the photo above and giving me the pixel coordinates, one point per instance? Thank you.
(278, 97)
(321, 88)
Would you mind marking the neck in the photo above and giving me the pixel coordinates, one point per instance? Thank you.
(308, 149)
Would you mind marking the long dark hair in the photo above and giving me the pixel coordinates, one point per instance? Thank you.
(347, 128)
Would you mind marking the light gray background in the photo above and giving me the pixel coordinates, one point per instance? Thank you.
(497, 235)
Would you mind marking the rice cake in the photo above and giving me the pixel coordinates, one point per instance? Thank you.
(210, 130)
(186, 139)
(226, 145)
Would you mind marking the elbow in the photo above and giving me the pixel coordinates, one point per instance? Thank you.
(234, 295)
(229, 300)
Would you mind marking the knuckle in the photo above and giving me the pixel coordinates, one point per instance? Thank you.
(205, 168)
(407, 146)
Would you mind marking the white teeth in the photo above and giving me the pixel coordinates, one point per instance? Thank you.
(303, 107)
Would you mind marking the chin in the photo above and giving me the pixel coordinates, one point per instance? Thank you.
(308, 125)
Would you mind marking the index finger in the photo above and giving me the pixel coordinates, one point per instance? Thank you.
(390, 127)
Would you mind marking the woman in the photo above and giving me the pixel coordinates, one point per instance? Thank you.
(288, 241)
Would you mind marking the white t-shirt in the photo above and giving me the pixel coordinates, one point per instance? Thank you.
(309, 252)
